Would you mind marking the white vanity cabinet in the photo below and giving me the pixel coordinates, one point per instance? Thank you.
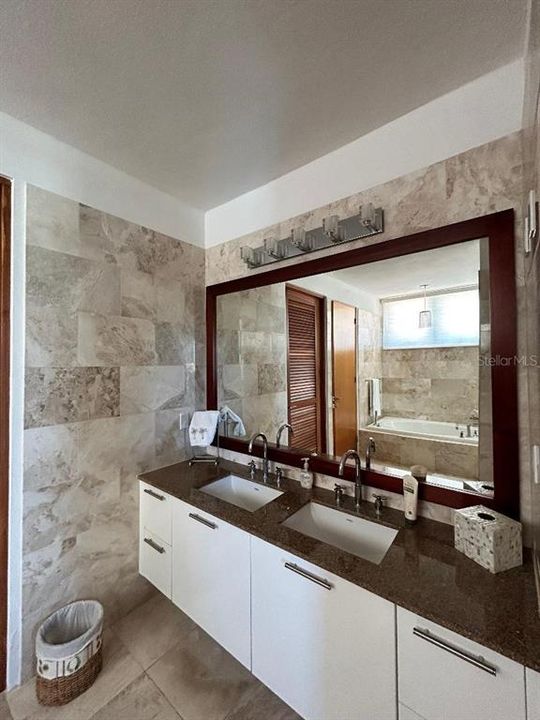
(211, 577)
(324, 645)
(444, 676)
(532, 680)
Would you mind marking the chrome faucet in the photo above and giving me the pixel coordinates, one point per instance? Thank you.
(281, 428)
(265, 452)
(357, 478)
(371, 448)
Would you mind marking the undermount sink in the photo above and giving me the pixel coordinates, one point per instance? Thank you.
(241, 492)
(355, 535)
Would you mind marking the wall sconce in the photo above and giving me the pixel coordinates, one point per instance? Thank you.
(332, 229)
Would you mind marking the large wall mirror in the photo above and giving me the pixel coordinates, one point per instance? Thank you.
(408, 352)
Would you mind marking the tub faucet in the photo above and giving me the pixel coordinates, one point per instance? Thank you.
(265, 452)
(357, 477)
(281, 428)
(371, 448)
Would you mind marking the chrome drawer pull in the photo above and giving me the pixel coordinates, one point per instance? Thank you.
(472, 659)
(154, 494)
(309, 576)
(202, 520)
(154, 546)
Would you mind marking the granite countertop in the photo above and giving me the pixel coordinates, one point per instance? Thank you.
(421, 571)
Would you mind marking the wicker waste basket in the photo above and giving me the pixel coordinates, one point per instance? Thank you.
(69, 652)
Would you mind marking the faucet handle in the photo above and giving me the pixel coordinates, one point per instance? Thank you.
(279, 476)
(339, 492)
(252, 468)
(379, 503)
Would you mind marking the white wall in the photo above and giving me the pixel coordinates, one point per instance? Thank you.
(335, 289)
(30, 156)
(479, 112)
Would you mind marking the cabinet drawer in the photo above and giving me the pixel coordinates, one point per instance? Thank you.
(444, 676)
(155, 512)
(155, 561)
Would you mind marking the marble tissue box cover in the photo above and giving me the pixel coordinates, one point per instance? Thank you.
(489, 538)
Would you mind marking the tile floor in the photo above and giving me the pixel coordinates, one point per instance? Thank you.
(159, 665)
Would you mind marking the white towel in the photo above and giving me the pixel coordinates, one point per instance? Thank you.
(228, 415)
(375, 396)
(202, 427)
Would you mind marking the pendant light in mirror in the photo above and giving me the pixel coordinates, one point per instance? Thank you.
(424, 317)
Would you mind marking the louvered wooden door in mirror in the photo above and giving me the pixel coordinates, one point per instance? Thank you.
(305, 328)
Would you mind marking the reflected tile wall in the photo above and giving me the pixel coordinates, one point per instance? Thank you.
(114, 332)
(438, 384)
(251, 357)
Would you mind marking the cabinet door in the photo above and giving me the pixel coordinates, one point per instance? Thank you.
(533, 694)
(211, 577)
(325, 646)
(155, 558)
(444, 676)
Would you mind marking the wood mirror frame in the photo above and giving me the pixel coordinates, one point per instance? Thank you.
(498, 228)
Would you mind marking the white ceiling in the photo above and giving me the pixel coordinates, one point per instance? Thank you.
(443, 268)
(206, 99)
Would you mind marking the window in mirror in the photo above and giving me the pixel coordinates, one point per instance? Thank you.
(454, 320)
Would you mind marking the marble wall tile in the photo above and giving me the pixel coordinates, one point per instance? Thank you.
(50, 455)
(60, 395)
(52, 221)
(115, 340)
(70, 282)
(103, 296)
(138, 294)
(272, 378)
(51, 337)
(175, 343)
(145, 389)
(171, 443)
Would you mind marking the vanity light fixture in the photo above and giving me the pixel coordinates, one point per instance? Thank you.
(424, 317)
(369, 221)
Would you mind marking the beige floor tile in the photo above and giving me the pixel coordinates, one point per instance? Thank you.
(5, 714)
(139, 701)
(262, 703)
(152, 629)
(200, 679)
(119, 670)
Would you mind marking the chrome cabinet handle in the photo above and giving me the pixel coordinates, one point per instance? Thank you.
(462, 654)
(309, 576)
(154, 494)
(154, 546)
(202, 520)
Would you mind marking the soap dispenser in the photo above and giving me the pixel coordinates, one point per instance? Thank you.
(306, 478)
